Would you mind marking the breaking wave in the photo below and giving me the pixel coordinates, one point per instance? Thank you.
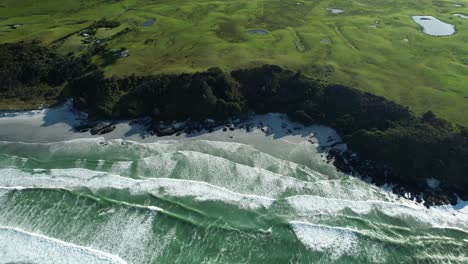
(94, 200)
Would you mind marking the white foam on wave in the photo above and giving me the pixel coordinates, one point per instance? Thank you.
(218, 171)
(335, 241)
(129, 234)
(246, 154)
(437, 217)
(17, 245)
(118, 228)
(121, 167)
(250, 171)
(95, 181)
(125, 150)
(446, 257)
(191, 165)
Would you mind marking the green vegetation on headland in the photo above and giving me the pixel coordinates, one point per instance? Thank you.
(31, 73)
(373, 46)
(415, 148)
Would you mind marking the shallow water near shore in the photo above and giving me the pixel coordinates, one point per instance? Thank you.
(263, 196)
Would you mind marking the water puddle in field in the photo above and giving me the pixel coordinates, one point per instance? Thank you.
(326, 41)
(335, 11)
(433, 26)
(258, 31)
(461, 16)
(149, 22)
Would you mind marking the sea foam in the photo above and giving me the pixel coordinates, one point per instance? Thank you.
(436, 217)
(78, 179)
(17, 245)
(335, 241)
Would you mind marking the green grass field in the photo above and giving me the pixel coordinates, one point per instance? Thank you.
(373, 46)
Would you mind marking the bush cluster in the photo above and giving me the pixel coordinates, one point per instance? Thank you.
(28, 70)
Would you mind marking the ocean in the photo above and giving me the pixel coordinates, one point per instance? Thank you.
(224, 197)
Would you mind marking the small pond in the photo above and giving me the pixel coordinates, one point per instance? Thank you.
(335, 10)
(433, 26)
(258, 31)
(149, 22)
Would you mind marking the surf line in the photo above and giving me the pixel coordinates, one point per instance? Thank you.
(99, 254)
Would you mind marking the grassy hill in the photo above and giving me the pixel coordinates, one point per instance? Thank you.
(373, 46)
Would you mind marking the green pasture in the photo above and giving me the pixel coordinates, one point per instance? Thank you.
(373, 46)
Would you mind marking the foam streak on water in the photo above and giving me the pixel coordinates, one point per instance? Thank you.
(17, 245)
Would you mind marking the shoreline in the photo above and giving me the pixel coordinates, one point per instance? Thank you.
(323, 139)
(389, 138)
